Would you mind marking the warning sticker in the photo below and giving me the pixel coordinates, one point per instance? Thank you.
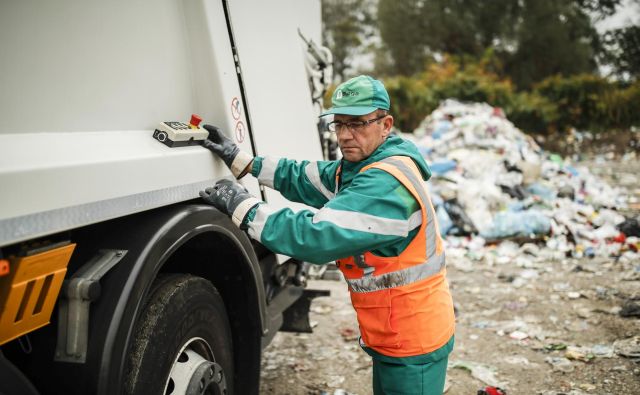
(236, 110)
(240, 131)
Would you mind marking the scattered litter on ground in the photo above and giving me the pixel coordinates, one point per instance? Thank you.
(321, 309)
(577, 353)
(560, 364)
(349, 334)
(335, 381)
(602, 351)
(629, 348)
(517, 335)
(482, 372)
(630, 309)
(490, 390)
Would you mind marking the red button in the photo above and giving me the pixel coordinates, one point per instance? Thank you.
(195, 120)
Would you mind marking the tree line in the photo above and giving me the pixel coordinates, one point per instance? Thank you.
(527, 40)
(541, 60)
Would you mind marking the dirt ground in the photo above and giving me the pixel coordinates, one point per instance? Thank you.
(535, 324)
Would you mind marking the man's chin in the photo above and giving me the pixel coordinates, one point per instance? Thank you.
(351, 155)
(351, 158)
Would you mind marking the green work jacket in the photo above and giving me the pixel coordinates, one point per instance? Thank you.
(350, 214)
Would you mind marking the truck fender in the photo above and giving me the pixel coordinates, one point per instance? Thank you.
(157, 239)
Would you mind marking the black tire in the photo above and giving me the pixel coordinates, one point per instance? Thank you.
(180, 308)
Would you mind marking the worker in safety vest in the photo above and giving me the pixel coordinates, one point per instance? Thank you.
(374, 218)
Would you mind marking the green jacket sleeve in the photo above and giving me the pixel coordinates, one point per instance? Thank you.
(311, 183)
(374, 212)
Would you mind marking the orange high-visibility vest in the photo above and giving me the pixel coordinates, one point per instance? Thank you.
(403, 303)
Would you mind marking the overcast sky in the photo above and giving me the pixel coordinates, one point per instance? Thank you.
(628, 14)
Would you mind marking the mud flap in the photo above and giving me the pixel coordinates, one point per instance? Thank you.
(296, 317)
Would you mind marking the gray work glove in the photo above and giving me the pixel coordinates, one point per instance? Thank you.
(237, 160)
(231, 198)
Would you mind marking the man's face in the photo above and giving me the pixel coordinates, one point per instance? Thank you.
(358, 143)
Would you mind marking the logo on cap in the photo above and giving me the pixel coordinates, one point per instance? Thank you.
(347, 92)
(359, 96)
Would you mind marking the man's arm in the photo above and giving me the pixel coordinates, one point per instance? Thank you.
(311, 183)
(374, 212)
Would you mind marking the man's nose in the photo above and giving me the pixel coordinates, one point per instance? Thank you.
(342, 137)
(344, 134)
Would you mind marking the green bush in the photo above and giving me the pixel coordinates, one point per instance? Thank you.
(413, 98)
(590, 102)
(557, 104)
(581, 100)
(470, 84)
(411, 101)
(532, 113)
(623, 107)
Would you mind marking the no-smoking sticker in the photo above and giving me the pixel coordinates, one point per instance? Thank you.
(236, 110)
(240, 131)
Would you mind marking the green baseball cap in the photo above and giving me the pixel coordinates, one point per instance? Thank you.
(359, 96)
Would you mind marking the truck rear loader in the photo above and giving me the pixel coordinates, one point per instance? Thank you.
(114, 276)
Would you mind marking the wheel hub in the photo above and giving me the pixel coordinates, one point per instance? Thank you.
(194, 372)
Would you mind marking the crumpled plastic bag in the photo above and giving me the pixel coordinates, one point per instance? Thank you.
(518, 223)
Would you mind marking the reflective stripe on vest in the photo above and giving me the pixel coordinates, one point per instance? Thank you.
(398, 278)
(432, 226)
(435, 257)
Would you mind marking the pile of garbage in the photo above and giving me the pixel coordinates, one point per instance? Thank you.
(491, 182)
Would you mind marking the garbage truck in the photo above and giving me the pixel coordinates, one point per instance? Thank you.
(114, 276)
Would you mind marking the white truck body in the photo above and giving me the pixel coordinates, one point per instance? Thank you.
(112, 270)
(83, 84)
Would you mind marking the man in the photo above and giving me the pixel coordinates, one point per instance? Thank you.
(375, 219)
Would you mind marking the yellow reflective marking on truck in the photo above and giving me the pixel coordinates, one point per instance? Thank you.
(30, 290)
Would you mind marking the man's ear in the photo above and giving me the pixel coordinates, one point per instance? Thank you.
(388, 124)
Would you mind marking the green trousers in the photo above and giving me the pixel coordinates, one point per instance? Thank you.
(418, 375)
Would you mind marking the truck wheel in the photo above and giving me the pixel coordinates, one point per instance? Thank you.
(182, 342)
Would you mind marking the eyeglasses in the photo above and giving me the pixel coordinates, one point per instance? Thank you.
(353, 126)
